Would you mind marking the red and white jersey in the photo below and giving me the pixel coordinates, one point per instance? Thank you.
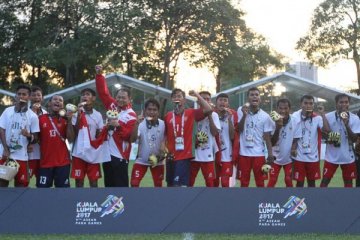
(119, 139)
(35, 154)
(94, 122)
(150, 140)
(54, 152)
(251, 139)
(205, 151)
(344, 154)
(282, 149)
(12, 122)
(308, 132)
(225, 143)
(181, 126)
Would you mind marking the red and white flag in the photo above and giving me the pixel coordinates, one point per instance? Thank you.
(92, 151)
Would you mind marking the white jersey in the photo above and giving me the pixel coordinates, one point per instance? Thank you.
(296, 115)
(251, 138)
(35, 154)
(282, 148)
(225, 141)
(95, 122)
(345, 153)
(308, 137)
(205, 151)
(150, 140)
(13, 122)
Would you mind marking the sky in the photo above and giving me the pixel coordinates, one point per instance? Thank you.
(282, 23)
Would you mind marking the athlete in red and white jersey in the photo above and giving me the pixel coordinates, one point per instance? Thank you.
(150, 134)
(55, 158)
(341, 152)
(281, 140)
(36, 99)
(19, 126)
(116, 172)
(306, 145)
(255, 127)
(225, 157)
(83, 164)
(205, 146)
(179, 125)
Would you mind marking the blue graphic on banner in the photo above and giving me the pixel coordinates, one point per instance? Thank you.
(273, 214)
(113, 205)
(88, 213)
(296, 206)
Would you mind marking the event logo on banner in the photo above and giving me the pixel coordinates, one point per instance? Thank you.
(90, 213)
(275, 214)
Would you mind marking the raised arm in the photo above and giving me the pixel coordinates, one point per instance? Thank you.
(242, 113)
(102, 89)
(326, 127)
(70, 129)
(205, 106)
(351, 135)
(214, 124)
(6, 152)
(275, 137)
(134, 134)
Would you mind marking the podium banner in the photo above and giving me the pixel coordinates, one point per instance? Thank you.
(177, 210)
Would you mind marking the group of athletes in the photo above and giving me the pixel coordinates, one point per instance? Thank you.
(228, 144)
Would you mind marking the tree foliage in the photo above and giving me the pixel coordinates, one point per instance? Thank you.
(233, 52)
(56, 43)
(334, 34)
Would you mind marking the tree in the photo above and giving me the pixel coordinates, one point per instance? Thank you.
(66, 41)
(177, 23)
(58, 42)
(218, 38)
(11, 38)
(49, 40)
(231, 50)
(334, 34)
(250, 59)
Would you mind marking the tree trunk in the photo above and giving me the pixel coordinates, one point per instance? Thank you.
(67, 76)
(218, 82)
(166, 69)
(357, 64)
(358, 75)
(166, 75)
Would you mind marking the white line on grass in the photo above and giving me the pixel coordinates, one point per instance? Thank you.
(189, 236)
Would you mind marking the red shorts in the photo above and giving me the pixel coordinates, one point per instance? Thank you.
(207, 169)
(34, 165)
(226, 169)
(348, 170)
(80, 168)
(274, 174)
(310, 170)
(22, 177)
(246, 164)
(139, 171)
